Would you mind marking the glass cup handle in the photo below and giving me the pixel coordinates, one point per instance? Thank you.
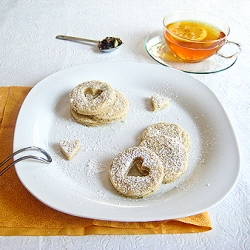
(232, 50)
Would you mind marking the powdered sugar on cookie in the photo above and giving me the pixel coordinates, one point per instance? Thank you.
(70, 148)
(159, 102)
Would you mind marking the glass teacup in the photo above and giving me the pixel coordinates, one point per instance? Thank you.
(194, 36)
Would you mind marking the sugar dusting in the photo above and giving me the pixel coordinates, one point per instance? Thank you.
(136, 186)
(91, 96)
(88, 172)
(159, 102)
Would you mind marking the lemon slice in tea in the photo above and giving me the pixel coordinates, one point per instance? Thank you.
(188, 30)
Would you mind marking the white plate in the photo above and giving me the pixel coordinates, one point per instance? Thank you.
(81, 187)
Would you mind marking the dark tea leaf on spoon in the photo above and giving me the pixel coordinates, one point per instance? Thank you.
(109, 43)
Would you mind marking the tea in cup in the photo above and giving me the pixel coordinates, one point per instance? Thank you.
(194, 36)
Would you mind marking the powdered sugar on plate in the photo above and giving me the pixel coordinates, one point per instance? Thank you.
(88, 171)
(81, 186)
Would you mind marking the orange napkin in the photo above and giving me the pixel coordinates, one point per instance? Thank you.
(22, 214)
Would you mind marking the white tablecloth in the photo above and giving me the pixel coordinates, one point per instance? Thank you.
(29, 52)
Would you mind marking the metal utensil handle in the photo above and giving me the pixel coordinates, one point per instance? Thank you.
(76, 39)
(47, 160)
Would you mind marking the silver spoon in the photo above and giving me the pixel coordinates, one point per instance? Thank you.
(108, 44)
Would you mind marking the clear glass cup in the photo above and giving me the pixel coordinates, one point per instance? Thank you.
(194, 36)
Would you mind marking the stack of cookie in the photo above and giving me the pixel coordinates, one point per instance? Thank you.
(161, 157)
(95, 103)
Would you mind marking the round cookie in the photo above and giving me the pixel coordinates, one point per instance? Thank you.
(117, 111)
(173, 155)
(163, 129)
(92, 97)
(85, 119)
(136, 186)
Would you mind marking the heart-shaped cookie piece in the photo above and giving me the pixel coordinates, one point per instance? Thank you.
(159, 102)
(70, 148)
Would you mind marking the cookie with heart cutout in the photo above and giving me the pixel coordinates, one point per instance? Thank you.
(114, 114)
(92, 97)
(136, 186)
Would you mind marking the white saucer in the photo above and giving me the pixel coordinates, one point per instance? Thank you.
(156, 47)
